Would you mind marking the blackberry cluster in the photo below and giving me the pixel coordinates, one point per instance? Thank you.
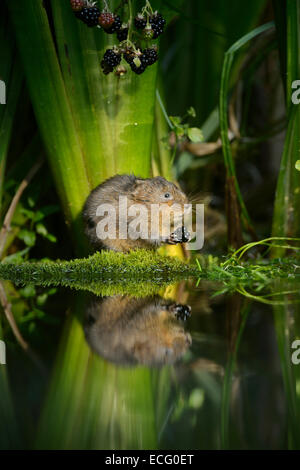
(157, 23)
(111, 59)
(150, 24)
(89, 15)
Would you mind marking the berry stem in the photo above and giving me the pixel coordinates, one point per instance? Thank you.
(130, 21)
(147, 9)
(106, 6)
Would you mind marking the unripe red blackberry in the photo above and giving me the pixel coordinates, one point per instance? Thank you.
(106, 19)
(140, 22)
(115, 26)
(122, 33)
(150, 56)
(89, 16)
(112, 57)
(77, 5)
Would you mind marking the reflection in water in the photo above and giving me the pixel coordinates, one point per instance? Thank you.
(130, 331)
(126, 376)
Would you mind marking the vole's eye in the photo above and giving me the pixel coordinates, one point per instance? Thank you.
(167, 196)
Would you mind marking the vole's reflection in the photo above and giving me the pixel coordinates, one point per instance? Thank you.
(130, 331)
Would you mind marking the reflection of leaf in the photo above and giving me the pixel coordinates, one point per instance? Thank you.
(195, 134)
(196, 398)
(41, 299)
(27, 236)
(28, 291)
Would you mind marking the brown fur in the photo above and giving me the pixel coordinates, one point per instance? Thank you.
(132, 331)
(138, 191)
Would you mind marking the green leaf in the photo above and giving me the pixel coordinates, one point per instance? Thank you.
(191, 112)
(286, 218)
(45, 211)
(42, 230)
(17, 257)
(195, 134)
(175, 120)
(223, 105)
(30, 214)
(31, 201)
(27, 236)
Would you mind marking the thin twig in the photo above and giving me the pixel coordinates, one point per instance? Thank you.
(11, 210)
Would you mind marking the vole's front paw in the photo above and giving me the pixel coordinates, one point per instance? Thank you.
(181, 312)
(181, 235)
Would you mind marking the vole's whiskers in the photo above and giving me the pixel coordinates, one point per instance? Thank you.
(197, 198)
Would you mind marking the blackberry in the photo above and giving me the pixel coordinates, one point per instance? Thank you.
(106, 68)
(106, 19)
(112, 58)
(122, 33)
(89, 16)
(150, 56)
(116, 25)
(158, 20)
(77, 5)
(158, 23)
(140, 22)
(138, 70)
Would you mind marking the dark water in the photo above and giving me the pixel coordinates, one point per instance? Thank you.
(126, 373)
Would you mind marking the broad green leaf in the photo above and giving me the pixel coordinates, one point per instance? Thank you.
(28, 237)
(195, 134)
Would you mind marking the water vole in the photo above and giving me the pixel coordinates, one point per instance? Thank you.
(109, 225)
(129, 331)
